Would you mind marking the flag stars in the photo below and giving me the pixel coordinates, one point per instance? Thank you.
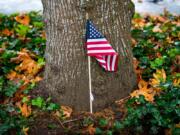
(93, 32)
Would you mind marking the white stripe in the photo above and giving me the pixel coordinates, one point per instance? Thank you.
(95, 40)
(108, 62)
(98, 45)
(100, 51)
(102, 61)
(114, 62)
(103, 66)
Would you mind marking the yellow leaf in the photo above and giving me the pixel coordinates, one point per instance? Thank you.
(25, 130)
(159, 76)
(176, 82)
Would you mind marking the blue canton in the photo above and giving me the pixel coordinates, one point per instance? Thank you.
(92, 32)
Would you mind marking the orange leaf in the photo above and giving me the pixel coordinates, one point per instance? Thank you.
(142, 84)
(23, 19)
(28, 65)
(139, 22)
(7, 32)
(11, 75)
(148, 93)
(25, 109)
(37, 79)
(91, 130)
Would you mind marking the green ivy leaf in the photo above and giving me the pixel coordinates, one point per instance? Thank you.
(98, 131)
(39, 102)
(157, 63)
(52, 107)
(22, 29)
(118, 125)
(103, 122)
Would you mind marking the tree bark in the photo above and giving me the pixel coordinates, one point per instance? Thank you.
(66, 71)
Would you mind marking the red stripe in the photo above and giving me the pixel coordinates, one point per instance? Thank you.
(99, 57)
(111, 59)
(101, 48)
(94, 54)
(97, 42)
(116, 64)
(102, 63)
(106, 64)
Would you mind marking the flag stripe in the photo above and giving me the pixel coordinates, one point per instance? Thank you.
(113, 62)
(101, 48)
(101, 51)
(97, 42)
(98, 45)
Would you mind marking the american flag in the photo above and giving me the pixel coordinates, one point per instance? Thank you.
(98, 47)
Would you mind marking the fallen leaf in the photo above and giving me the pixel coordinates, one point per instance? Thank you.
(23, 19)
(7, 32)
(142, 84)
(157, 29)
(176, 82)
(25, 109)
(25, 130)
(139, 22)
(159, 76)
(67, 111)
(91, 129)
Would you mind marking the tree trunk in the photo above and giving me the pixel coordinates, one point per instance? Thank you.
(66, 71)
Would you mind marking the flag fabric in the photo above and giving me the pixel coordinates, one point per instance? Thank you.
(98, 47)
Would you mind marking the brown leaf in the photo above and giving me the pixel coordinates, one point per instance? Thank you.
(1, 50)
(67, 111)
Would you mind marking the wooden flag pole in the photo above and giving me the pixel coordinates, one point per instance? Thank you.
(90, 81)
(90, 85)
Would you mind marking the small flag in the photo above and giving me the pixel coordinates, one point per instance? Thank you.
(100, 48)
